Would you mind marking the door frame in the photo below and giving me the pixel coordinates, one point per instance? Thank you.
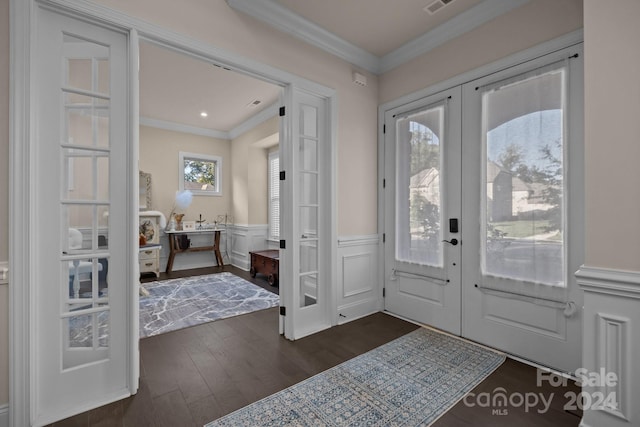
(21, 174)
(562, 42)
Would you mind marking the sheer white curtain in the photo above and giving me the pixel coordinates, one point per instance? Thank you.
(523, 250)
(419, 178)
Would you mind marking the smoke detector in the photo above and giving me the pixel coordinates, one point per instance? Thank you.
(436, 6)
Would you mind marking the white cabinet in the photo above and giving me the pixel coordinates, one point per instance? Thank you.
(149, 253)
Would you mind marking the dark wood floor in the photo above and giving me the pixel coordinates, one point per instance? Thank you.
(192, 376)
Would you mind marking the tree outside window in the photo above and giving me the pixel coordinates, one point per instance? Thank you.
(200, 173)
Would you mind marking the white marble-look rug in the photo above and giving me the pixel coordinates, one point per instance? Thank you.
(179, 303)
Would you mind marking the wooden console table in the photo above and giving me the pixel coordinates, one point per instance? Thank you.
(174, 246)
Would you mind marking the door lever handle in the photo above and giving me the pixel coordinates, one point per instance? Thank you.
(453, 242)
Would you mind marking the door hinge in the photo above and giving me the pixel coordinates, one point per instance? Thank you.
(384, 292)
(283, 311)
(283, 244)
(384, 183)
(384, 128)
(384, 237)
(282, 175)
(282, 110)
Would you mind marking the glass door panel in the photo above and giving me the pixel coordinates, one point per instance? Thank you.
(85, 149)
(523, 133)
(418, 197)
(308, 186)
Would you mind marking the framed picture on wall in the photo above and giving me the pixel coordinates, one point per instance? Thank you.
(188, 225)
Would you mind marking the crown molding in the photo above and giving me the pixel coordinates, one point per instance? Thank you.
(178, 127)
(253, 121)
(276, 15)
(466, 21)
(285, 20)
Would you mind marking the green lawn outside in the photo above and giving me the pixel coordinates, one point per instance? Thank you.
(522, 228)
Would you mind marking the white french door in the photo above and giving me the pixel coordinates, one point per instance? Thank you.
(422, 210)
(498, 160)
(305, 221)
(523, 196)
(83, 280)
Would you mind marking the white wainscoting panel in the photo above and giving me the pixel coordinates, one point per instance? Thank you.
(4, 415)
(358, 292)
(611, 343)
(245, 239)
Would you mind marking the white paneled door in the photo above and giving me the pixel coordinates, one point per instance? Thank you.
(484, 209)
(422, 211)
(523, 196)
(83, 275)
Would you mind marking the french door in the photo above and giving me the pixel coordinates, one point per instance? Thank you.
(512, 198)
(523, 191)
(306, 219)
(83, 285)
(422, 210)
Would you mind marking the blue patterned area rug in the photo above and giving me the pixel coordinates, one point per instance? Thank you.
(410, 381)
(179, 303)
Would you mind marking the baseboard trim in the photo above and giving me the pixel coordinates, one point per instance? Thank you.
(350, 312)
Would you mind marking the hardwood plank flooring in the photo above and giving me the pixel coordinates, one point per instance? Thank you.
(192, 376)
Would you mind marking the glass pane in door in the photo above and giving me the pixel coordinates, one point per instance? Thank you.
(308, 202)
(418, 182)
(84, 207)
(523, 132)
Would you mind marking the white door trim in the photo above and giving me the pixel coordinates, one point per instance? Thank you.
(22, 195)
(20, 201)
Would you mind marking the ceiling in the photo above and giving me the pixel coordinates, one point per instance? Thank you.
(376, 35)
(377, 26)
(176, 88)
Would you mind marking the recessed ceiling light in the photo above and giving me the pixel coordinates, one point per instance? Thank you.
(203, 114)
